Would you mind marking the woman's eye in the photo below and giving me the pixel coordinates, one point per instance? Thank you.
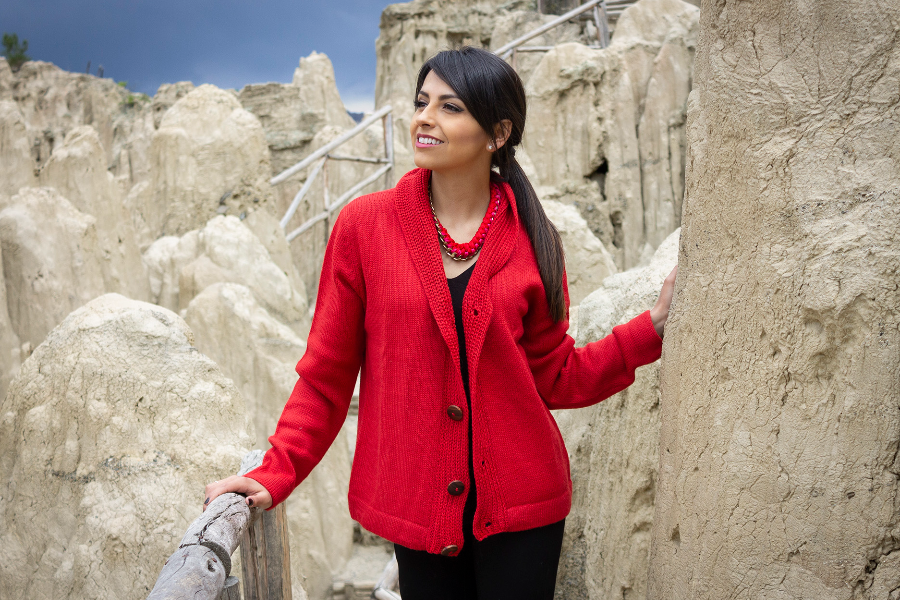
(453, 107)
(419, 104)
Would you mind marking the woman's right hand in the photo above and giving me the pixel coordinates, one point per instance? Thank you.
(256, 494)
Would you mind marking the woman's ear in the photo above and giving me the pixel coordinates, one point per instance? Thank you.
(502, 131)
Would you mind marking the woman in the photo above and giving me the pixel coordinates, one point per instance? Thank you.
(463, 350)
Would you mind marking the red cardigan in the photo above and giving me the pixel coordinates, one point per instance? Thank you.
(384, 305)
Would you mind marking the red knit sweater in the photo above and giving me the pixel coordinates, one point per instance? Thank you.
(383, 305)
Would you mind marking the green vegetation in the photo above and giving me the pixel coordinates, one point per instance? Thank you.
(14, 51)
(122, 84)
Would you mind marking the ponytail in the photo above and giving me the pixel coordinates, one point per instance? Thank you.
(544, 237)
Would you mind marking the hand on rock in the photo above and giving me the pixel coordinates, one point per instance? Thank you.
(256, 494)
(660, 311)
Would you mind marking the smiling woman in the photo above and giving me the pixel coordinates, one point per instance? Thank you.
(463, 349)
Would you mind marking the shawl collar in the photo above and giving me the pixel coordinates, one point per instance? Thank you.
(417, 223)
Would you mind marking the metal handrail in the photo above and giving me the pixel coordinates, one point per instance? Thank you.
(323, 155)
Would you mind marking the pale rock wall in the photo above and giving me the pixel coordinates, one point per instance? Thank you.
(613, 452)
(77, 169)
(780, 375)
(613, 119)
(51, 261)
(11, 351)
(166, 96)
(587, 262)
(209, 156)
(53, 101)
(259, 354)
(107, 437)
(225, 250)
(16, 165)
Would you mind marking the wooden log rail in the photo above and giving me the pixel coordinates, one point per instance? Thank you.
(200, 569)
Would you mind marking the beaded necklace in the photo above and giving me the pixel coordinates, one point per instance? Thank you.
(468, 250)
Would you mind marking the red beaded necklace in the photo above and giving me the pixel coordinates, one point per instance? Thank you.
(468, 250)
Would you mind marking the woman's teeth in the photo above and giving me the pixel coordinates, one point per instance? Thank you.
(432, 141)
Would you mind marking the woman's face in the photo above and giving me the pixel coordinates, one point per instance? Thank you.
(444, 133)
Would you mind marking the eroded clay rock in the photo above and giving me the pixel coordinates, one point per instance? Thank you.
(107, 437)
(166, 96)
(53, 102)
(11, 351)
(207, 151)
(51, 261)
(587, 262)
(16, 165)
(225, 250)
(781, 371)
(231, 249)
(77, 169)
(614, 451)
(614, 119)
(259, 354)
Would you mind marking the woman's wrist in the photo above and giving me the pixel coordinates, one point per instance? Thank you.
(658, 317)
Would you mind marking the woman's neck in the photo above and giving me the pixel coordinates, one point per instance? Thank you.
(460, 198)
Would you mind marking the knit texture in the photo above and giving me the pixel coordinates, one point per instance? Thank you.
(390, 314)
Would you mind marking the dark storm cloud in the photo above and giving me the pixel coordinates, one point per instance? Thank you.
(228, 43)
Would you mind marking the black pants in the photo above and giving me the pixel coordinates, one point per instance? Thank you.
(518, 565)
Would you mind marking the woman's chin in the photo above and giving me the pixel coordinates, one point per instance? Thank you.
(424, 162)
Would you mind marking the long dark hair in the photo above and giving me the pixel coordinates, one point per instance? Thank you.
(493, 91)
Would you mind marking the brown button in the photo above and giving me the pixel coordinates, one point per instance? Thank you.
(456, 488)
(448, 550)
(455, 412)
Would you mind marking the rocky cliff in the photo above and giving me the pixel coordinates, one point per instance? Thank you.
(780, 378)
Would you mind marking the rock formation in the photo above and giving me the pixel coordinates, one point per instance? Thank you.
(208, 156)
(225, 250)
(587, 261)
(52, 102)
(16, 165)
(77, 169)
(107, 437)
(608, 127)
(52, 261)
(614, 451)
(259, 354)
(780, 375)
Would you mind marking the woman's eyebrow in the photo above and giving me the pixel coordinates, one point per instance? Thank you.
(444, 97)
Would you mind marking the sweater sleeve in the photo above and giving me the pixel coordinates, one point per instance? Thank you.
(570, 377)
(318, 406)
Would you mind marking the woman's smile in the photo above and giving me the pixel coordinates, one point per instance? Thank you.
(427, 141)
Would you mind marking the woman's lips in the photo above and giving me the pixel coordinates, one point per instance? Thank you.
(426, 144)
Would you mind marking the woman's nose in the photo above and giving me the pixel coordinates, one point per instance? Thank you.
(425, 117)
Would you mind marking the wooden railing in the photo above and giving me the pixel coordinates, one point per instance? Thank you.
(200, 569)
(604, 12)
(320, 157)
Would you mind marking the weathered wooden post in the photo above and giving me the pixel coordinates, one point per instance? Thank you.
(266, 558)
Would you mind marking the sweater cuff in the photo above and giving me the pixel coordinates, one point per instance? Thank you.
(646, 345)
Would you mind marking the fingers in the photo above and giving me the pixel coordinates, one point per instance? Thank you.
(260, 499)
(234, 484)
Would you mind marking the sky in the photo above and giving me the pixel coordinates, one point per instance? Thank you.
(228, 43)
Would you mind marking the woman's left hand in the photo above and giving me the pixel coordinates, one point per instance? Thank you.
(660, 311)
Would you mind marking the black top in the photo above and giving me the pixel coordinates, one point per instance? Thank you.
(458, 286)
